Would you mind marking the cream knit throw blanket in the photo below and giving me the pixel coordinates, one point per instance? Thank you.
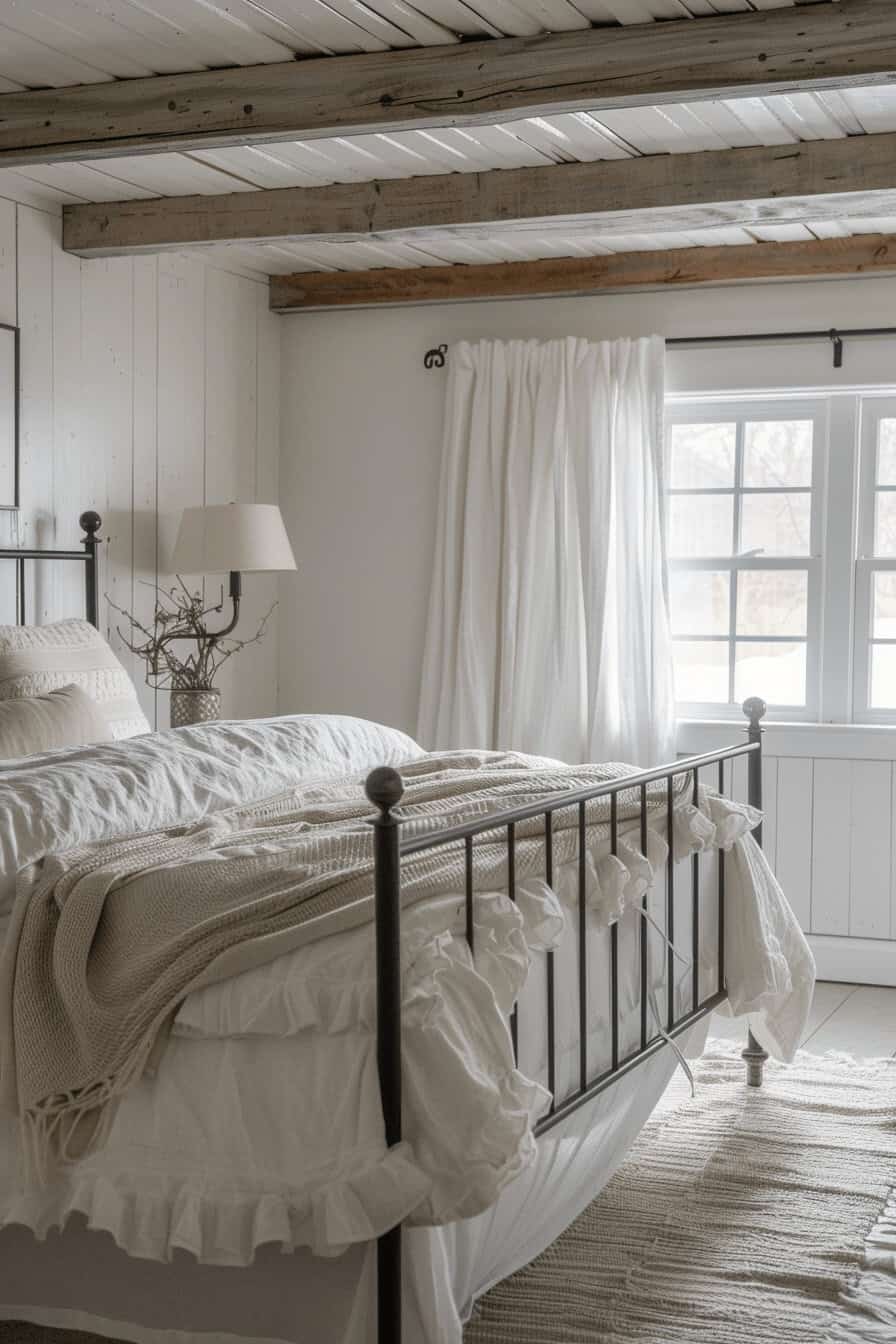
(105, 942)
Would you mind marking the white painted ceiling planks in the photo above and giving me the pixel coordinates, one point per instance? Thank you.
(537, 141)
(54, 43)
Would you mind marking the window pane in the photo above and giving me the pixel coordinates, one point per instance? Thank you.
(701, 671)
(883, 676)
(772, 602)
(885, 522)
(778, 452)
(886, 452)
(701, 457)
(885, 606)
(699, 601)
(701, 525)
(776, 524)
(775, 672)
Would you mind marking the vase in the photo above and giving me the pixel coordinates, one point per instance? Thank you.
(194, 704)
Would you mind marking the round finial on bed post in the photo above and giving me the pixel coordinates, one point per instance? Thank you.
(91, 523)
(755, 710)
(384, 787)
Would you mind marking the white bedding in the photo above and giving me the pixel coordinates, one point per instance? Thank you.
(54, 802)
(262, 1126)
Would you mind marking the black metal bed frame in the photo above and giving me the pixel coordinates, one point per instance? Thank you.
(91, 523)
(384, 788)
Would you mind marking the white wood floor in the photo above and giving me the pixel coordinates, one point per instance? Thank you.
(860, 1019)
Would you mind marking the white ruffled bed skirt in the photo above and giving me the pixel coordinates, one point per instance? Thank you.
(80, 1280)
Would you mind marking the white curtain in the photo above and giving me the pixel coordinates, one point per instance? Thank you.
(548, 624)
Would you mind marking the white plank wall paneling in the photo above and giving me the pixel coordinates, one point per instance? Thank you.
(146, 384)
(794, 854)
(831, 848)
(830, 835)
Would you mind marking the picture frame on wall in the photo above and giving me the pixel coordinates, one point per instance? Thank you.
(9, 416)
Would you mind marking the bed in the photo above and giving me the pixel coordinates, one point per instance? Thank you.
(201, 1217)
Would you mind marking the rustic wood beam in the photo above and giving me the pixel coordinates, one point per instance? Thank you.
(817, 47)
(868, 254)
(818, 179)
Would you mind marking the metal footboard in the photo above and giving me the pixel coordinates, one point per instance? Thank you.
(385, 788)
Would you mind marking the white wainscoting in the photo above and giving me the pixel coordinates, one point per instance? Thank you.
(830, 834)
(147, 384)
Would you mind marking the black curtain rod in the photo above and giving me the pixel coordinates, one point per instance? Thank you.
(435, 358)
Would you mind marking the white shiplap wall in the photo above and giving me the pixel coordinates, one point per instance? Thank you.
(830, 835)
(147, 384)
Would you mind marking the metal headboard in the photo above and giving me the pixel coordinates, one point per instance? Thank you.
(91, 523)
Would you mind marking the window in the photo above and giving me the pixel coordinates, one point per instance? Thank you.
(744, 537)
(875, 623)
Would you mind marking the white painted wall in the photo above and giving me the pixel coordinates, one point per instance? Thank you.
(830, 835)
(147, 384)
(361, 427)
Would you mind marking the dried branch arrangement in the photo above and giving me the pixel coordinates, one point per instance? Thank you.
(181, 616)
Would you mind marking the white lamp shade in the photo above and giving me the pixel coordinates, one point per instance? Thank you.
(224, 537)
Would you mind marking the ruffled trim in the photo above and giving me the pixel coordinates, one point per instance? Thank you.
(339, 994)
(228, 1225)
(457, 1052)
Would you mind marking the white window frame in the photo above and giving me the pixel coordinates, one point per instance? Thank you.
(873, 409)
(775, 406)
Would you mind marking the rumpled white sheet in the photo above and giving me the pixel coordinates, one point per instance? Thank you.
(61, 799)
(770, 969)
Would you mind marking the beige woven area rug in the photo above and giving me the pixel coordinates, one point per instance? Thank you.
(739, 1217)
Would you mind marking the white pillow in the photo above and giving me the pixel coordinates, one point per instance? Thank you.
(35, 659)
(52, 803)
(33, 724)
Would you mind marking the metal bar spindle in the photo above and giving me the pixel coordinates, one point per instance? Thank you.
(695, 912)
(384, 788)
(645, 987)
(21, 614)
(549, 878)
(91, 523)
(721, 853)
(755, 711)
(468, 867)
(610, 1077)
(670, 902)
(614, 941)
(583, 957)
(754, 708)
(511, 892)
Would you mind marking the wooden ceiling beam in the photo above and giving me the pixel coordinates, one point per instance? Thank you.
(814, 180)
(776, 50)
(866, 254)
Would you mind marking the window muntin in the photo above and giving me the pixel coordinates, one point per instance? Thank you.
(875, 625)
(743, 534)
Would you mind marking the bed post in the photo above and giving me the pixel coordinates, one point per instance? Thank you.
(91, 523)
(384, 788)
(754, 708)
